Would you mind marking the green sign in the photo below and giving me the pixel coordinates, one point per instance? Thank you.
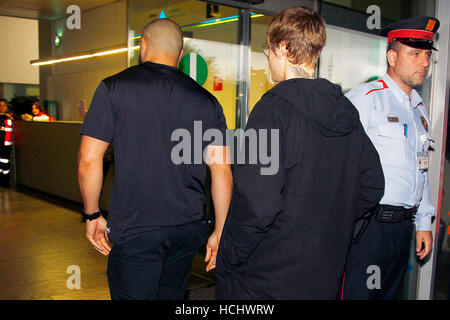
(194, 66)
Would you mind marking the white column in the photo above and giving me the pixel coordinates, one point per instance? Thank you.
(438, 117)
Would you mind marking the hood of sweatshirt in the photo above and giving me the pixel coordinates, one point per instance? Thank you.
(322, 103)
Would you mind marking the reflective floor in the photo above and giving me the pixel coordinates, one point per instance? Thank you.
(41, 237)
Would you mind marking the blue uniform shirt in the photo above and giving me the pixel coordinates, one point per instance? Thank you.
(399, 129)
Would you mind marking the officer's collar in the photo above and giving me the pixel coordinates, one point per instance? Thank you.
(416, 99)
(401, 95)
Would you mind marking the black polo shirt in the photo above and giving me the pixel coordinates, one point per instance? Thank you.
(138, 110)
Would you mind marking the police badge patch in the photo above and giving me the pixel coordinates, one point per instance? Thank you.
(424, 123)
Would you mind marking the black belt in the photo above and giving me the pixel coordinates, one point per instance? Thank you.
(393, 214)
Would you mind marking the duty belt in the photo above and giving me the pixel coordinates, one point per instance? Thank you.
(393, 214)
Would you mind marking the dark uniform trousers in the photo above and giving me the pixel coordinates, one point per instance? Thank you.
(155, 264)
(5, 154)
(383, 244)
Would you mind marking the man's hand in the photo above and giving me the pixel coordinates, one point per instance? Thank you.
(426, 238)
(90, 179)
(211, 250)
(96, 233)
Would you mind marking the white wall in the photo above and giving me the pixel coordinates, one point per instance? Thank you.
(101, 27)
(71, 81)
(19, 39)
(350, 58)
(68, 88)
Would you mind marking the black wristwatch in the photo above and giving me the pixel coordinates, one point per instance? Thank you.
(90, 217)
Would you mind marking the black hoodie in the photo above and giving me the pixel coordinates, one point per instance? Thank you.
(287, 234)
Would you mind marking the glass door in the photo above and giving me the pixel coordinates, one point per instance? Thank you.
(210, 43)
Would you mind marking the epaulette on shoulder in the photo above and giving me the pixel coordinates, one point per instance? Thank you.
(377, 84)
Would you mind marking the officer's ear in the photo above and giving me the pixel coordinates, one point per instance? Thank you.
(392, 58)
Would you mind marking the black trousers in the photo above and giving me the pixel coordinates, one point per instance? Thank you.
(156, 263)
(383, 245)
(5, 165)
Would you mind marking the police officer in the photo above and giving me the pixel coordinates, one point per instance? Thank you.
(395, 119)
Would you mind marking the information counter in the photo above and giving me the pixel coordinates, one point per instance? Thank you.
(46, 159)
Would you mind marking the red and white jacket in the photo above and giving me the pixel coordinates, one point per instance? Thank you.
(8, 132)
(42, 116)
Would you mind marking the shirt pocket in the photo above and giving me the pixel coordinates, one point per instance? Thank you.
(392, 131)
(392, 145)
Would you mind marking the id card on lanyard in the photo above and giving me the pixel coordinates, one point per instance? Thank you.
(423, 159)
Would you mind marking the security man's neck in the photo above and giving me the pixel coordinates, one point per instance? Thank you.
(167, 62)
(406, 88)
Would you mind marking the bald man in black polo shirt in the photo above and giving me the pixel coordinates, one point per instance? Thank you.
(156, 214)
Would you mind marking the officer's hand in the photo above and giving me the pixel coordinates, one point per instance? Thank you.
(425, 238)
(96, 233)
(211, 250)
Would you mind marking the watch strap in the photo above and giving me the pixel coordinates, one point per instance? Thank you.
(91, 216)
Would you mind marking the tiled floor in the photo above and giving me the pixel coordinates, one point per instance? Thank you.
(41, 237)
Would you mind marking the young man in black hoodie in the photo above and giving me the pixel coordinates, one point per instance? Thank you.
(287, 234)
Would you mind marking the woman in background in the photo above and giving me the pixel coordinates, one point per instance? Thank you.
(37, 113)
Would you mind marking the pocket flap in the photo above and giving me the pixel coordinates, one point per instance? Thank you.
(393, 131)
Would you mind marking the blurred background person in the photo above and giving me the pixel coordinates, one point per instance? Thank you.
(4, 109)
(37, 113)
(5, 143)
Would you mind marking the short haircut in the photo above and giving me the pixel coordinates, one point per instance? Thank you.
(394, 45)
(4, 100)
(164, 36)
(304, 32)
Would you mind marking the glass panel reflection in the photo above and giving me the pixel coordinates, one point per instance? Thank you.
(210, 34)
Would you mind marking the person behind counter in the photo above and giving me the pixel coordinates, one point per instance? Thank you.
(37, 113)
